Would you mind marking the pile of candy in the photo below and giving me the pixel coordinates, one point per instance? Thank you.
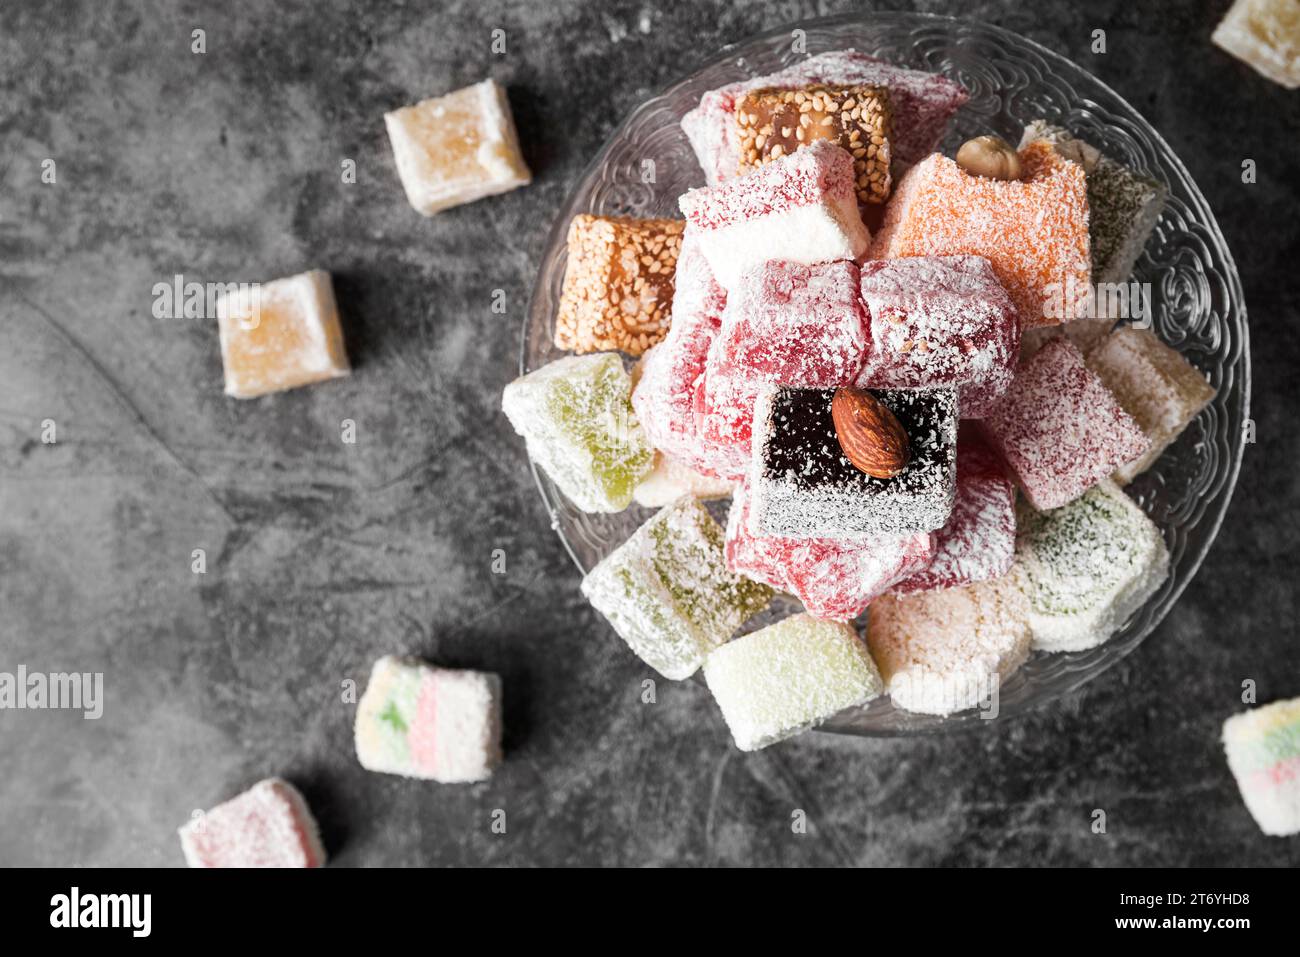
(910, 424)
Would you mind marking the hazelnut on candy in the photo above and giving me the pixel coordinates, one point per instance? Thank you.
(989, 156)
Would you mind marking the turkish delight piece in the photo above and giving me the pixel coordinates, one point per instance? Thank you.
(269, 825)
(1263, 749)
(668, 592)
(801, 208)
(456, 148)
(1266, 35)
(921, 103)
(788, 677)
(576, 416)
(1059, 428)
(1034, 230)
(775, 123)
(280, 335)
(725, 404)
(941, 652)
(1161, 390)
(440, 724)
(790, 324)
(979, 538)
(834, 578)
(940, 321)
(618, 283)
(1123, 205)
(803, 486)
(1086, 567)
(669, 480)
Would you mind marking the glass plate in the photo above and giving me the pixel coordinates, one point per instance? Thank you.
(1197, 299)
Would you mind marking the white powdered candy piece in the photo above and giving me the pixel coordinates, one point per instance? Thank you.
(269, 825)
(440, 724)
(668, 592)
(1086, 567)
(280, 335)
(1266, 35)
(457, 148)
(1161, 390)
(669, 480)
(943, 651)
(1263, 749)
(785, 678)
(802, 208)
(576, 415)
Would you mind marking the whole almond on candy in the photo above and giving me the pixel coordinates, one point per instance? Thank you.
(871, 436)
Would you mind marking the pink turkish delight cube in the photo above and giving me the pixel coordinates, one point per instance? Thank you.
(834, 578)
(790, 324)
(979, 539)
(725, 405)
(1059, 428)
(940, 320)
(802, 208)
(269, 825)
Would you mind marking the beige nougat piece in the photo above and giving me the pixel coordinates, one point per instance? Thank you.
(1266, 35)
(281, 334)
(457, 148)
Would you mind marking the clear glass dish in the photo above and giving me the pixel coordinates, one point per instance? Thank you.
(1197, 300)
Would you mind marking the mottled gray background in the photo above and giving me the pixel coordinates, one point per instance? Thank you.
(322, 556)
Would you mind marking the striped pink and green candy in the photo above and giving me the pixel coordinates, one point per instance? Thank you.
(1263, 747)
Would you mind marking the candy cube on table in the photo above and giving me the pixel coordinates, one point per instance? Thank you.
(921, 104)
(1266, 35)
(1059, 428)
(788, 677)
(801, 208)
(1263, 749)
(940, 652)
(576, 416)
(456, 148)
(940, 321)
(1033, 230)
(439, 724)
(269, 825)
(618, 283)
(775, 123)
(1123, 205)
(979, 539)
(802, 485)
(669, 480)
(280, 335)
(668, 592)
(790, 324)
(834, 578)
(1086, 567)
(1161, 390)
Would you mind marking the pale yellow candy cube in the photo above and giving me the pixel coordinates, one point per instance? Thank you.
(457, 148)
(1266, 35)
(280, 335)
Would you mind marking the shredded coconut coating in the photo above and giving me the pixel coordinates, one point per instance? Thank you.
(1161, 390)
(940, 321)
(576, 416)
(1034, 230)
(979, 539)
(834, 578)
(1263, 750)
(786, 678)
(1086, 567)
(1059, 428)
(726, 410)
(790, 324)
(668, 593)
(269, 825)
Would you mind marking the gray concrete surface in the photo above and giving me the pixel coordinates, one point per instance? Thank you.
(322, 556)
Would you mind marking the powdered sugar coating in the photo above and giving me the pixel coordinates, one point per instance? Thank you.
(669, 480)
(1059, 428)
(791, 324)
(979, 539)
(783, 679)
(1263, 751)
(726, 409)
(834, 578)
(1034, 230)
(941, 652)
(668, 592)
(802, 486)
(942, 320)
(269, 825)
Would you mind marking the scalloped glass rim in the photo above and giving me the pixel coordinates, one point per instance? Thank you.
(1198, 303)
